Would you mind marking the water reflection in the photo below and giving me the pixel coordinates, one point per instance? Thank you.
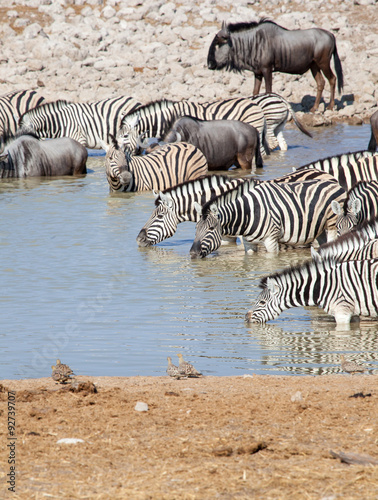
(75, 285)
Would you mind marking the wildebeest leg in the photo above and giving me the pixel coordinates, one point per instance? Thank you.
(327, 72)
(245, 159)
(257, 86)
(320, 82)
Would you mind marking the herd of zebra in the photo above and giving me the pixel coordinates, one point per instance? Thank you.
(333, 199)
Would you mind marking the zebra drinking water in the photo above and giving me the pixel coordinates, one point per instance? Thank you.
(361, 204)
(342, 289)
(272, 213)
(90, 123)
(359, 244)
(176, 205)
(161, 169)
(155, 119)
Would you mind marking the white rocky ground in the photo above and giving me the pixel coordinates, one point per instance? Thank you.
(150, 49)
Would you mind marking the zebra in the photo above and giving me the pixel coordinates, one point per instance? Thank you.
(361, 204)
(342, 289)
(277, 111)
(155, 119)
(159, 170)
(272, 213)
(12, 106)
(90, 123)
(359, 244)
(348, 168)
(176, 205)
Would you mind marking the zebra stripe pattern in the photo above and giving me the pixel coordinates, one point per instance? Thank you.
(176, 205)
(159, 170)
(155, 119)
(91, 124)
(342, 289)
(361, 204)
(348, 168)
(12, 106)
(272, 213)
(277, 111)
(359, 244)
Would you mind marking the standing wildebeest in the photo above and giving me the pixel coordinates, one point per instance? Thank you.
(223, 142)
(264, 47)
(27, 156)
(374, 132)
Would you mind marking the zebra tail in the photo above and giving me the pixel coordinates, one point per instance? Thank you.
(265, 142)
(258, 157)
(339, 70)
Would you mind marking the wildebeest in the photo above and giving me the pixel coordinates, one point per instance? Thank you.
(223, 142)
(374, 132)
(27, 156)
(265, 47)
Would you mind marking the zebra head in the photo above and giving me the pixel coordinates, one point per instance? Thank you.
(267, 305)
(162, 224)
(116, 166)
(129, 133)
(346, 219)
(208, 231)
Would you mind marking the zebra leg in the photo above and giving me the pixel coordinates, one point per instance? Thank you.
(229, 240)
(280, 138)
(249, 247)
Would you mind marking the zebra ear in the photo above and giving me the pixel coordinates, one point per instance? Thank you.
(272, 286)
(133, 123)
(197, 208)
(214, 209)
(354, 206)
(156, 194)
(314, 254)
(166, 199)
(336, 207)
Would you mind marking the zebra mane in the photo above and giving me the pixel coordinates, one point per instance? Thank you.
(7, 137)
(368, 227)
(47, 107)
(182, 185)
(298, 270)
(243, 26)
(151, 108)
(229, 196)
(326, 158)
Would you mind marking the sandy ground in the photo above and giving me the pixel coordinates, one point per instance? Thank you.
(252, 437)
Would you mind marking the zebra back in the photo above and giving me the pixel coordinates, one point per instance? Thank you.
(44, 119)
(342, 289)
(359, 244)
(347, 168)
(12, 106)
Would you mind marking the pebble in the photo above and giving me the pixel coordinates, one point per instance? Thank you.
(140, 406)
(70, 441)
(297, 397)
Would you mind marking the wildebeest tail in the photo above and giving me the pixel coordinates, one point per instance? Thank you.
(338, 69)
(258, 157)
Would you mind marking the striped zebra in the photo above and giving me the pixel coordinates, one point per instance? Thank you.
(12, 106)
(277, 111)
(272, 213)
(348, 168)
(359, 244)
(155, 119)
(159, 170)
(360, 204)
(342, 289)
(176, 205)
(90, 123)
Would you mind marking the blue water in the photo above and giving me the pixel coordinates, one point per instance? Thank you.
(76, 286)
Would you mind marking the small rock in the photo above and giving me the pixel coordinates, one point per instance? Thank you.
(141, 406)
(297, 397)
(69, 441)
